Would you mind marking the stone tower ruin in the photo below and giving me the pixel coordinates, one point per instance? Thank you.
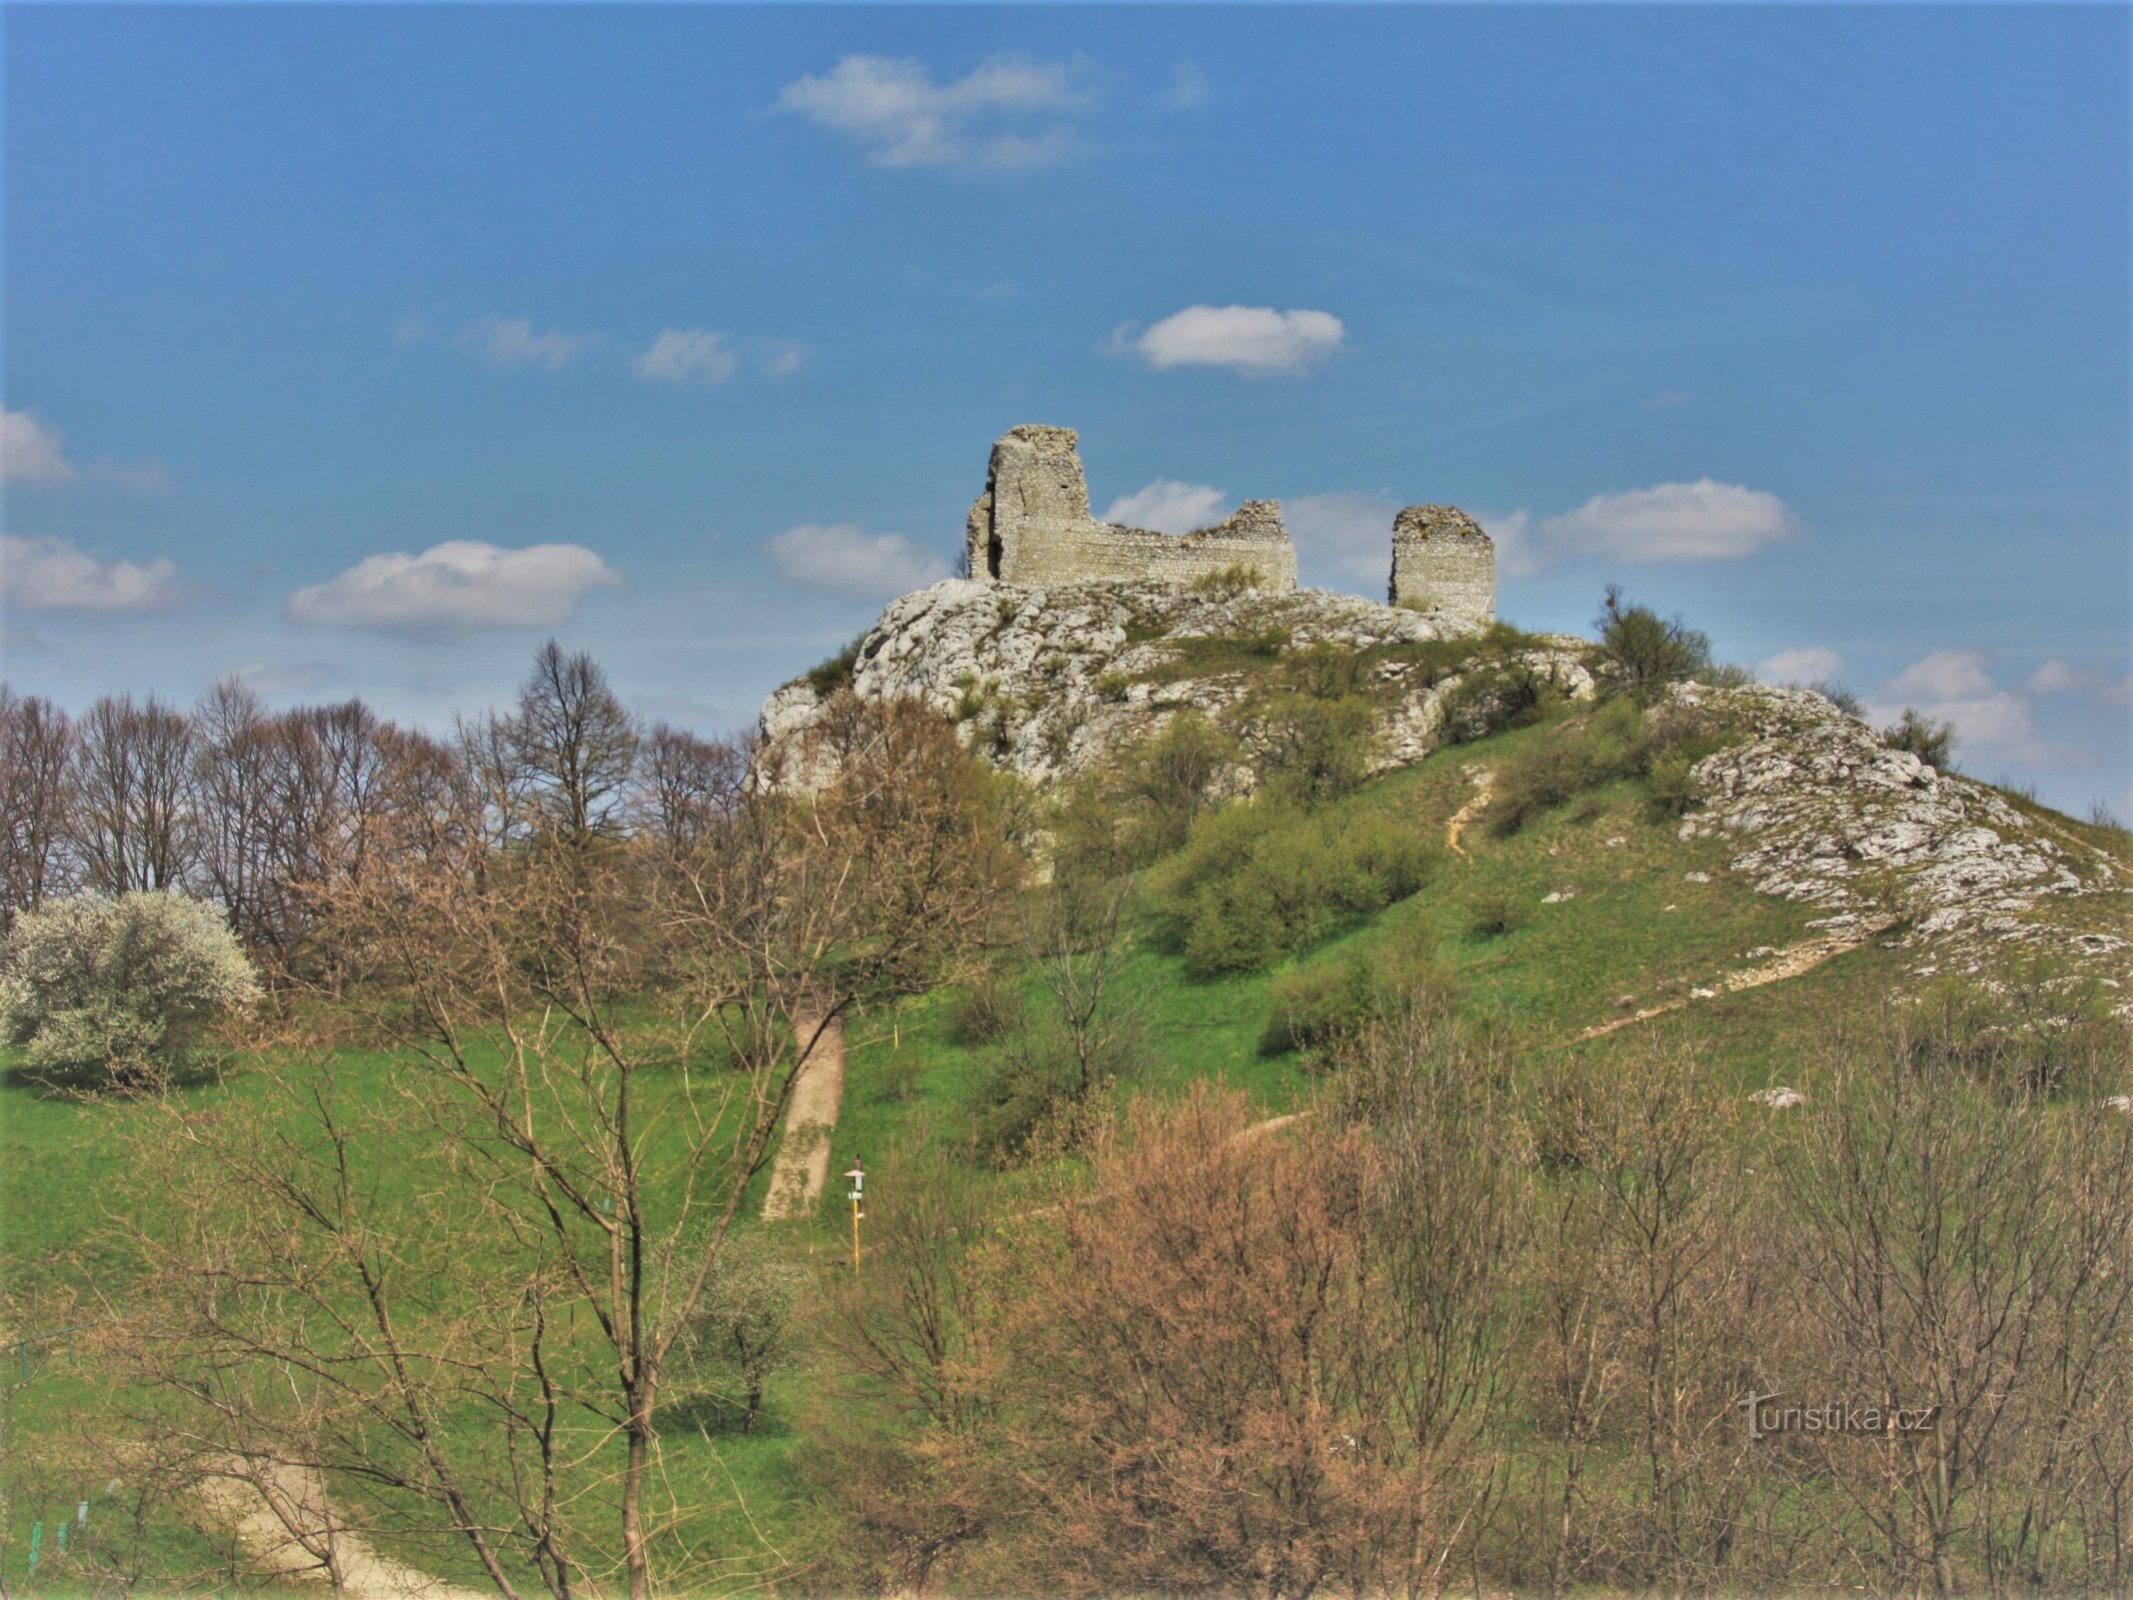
(1443, 565)
(1032, 525)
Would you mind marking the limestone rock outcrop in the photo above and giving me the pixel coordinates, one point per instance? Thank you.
(1825, 813)
(1046, 679)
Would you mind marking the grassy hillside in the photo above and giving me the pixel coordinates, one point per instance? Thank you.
(1593, 911)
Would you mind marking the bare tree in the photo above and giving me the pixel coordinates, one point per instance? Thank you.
(575, 743)
(1964, 1257)
(36, 747)
(129, 816)
(686, 784)
(604, 1076)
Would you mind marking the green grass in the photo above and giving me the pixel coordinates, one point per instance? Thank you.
(1632, 931)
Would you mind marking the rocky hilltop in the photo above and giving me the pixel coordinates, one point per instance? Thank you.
(1047, 679)
(1822, 811)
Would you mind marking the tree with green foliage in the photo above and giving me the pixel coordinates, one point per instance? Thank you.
(1932, 741)
(741, 1329)
(118, 992)
(1313, 750)
(1644, 651)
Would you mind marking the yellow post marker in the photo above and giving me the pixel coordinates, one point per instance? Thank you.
(857, 1177)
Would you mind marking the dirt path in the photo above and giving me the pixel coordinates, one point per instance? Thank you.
(1790, 962)
(1484, 781)
(282, 1520)
(801, 1172)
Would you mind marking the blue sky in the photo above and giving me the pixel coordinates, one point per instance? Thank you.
(360, 349)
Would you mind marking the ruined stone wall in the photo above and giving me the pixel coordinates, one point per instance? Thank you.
(1032, 525)
(1443, 564)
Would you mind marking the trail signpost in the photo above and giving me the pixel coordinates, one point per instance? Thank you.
(857, 1177)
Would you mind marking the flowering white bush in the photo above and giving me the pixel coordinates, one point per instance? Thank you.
(121, 989)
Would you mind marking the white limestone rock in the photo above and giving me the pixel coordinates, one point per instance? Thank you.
(1045, 679)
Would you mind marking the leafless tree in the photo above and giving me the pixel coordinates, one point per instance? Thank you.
(36, 749)
(575, 743)
(129, 817)
(686, 784)
(605, 1075)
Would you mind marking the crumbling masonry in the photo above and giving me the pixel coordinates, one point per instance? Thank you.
(1032, 525)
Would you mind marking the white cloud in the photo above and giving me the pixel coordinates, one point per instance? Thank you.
(1991, 723)
(52, 575)
(511, 342)
(1009, 112)
(1253, 340)
(292, 677)
(688, 355)
(408, 330)
(846, 559)
(1813, 664)
(1517, 554)
(1167, 506)
(462, 583)
(2117, 693)
(2060, 677)
(1701, 521)
(29, 451)
(785, 357)
(1349, 527)
(1944, 675)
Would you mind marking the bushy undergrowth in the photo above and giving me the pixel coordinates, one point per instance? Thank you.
(1261, 879)
(988, 1009)
(1640, 652)
(1499, 1257)
(1622, 739)
(829, 675)
(1142, 804)
(1318, 1005)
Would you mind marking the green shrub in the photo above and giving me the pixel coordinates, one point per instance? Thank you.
(1208, 655)
(737, 1334)
(1542, 776)
(1724, 675)
(1316, 1006)
(902, 1076)
(1313, 1006)
(1932, 742)
(1227, 582)
(987, 1009)
(1170, 782)
(1642, 652)
(1492, 914)
(1312, 751)
(1328, 672)
(1261, 879)
(828, 676)
(1672, 784)
(1622, 739)
(1040, 1087)
(1497, 697)
(1839, 696)
(119, 991)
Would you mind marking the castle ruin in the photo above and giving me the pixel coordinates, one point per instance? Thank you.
(1443, 564)
(1032, 525)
